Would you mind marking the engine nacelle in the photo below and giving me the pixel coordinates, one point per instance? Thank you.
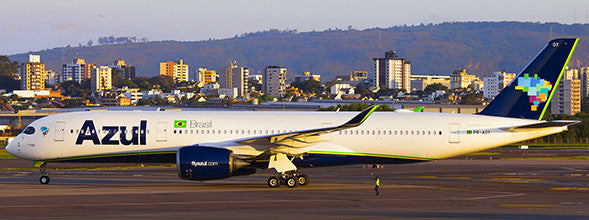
(209, 163)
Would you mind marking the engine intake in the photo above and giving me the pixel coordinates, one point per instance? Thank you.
(209, 163)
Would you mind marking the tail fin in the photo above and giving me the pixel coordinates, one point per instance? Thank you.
(529, 94)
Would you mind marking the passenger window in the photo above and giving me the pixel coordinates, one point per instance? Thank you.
(29, 130)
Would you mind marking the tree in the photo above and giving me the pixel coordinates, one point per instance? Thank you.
(7, 67)
(166, 83)
(474, 98)
(9, 83)
(309, 86)
(431, 88)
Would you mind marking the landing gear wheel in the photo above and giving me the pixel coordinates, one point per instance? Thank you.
(290, 182)
(302, 179)
(273, 182)
(44, 180)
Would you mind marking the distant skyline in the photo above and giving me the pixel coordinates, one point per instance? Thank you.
(31, 25)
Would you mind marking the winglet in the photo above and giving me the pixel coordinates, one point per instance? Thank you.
(360, 118)
(418, 109)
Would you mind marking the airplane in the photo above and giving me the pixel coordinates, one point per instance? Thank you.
(212, 145)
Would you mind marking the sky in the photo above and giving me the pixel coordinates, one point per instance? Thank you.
(32, 25)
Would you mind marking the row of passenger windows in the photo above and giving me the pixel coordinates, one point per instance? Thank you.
(345, 132)
(260, 132)
(389, 132)
(265, 132)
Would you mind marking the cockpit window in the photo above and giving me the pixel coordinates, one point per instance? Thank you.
(29, 130)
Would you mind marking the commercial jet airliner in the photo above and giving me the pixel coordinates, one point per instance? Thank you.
(217, 145)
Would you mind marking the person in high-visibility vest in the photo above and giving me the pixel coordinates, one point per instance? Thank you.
(376, 183)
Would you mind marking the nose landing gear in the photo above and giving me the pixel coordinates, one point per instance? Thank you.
(44, 179)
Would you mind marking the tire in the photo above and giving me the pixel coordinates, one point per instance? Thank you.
(302, 180)
(273, 182)
(44, 180)
(290, 182)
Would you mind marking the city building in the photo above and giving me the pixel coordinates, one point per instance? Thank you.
(177, 70)
(274, 81)
(206, 76)
(355, 75)
(51, 78)
(494, 84)
(127, 71)
(307, 76)
(101, 78)
(341, 89)
(228, 93)
(211, 89)
(77, 71)
(584, 77)
(33, 74)
(567, 97)
(392, 72)
(460, 79)
(420, 82)
(29, 94)
(258, 78)
(235, 77)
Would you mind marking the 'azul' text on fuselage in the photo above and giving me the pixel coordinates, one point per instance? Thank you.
(88, 132)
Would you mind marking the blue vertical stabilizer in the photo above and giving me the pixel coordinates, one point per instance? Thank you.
(529, 94)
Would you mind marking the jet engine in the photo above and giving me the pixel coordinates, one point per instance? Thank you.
(209, 163)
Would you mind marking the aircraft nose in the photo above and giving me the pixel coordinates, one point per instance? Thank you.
(11, 148)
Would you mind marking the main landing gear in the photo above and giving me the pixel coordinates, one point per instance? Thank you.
(44, 179)
(289, 179)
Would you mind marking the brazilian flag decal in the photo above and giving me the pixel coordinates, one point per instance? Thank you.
(180, 124)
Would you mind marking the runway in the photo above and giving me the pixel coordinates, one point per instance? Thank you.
(482, 189)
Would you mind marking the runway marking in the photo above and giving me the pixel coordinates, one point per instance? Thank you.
(169, 203)
(526, 205)
(565, 188)
(495, 196)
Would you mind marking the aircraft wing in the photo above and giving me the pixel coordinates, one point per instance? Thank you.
(541, 125)
(277, 147)
(303, 138)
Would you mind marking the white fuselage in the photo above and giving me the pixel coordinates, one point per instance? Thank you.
(415, 135)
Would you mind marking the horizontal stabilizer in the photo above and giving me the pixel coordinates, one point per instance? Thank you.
(541, 125)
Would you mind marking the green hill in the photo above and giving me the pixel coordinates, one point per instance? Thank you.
(481, 47)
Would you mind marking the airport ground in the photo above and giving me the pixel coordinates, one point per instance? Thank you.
(477, 187)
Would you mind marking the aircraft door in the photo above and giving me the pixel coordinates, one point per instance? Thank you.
(59, 131)
(454, 133)
(161, 132)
